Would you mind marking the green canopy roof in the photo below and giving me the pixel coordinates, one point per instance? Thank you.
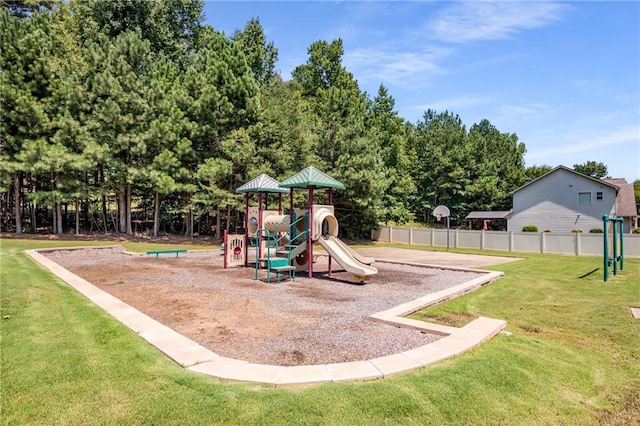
(263, 183)
(311, 177)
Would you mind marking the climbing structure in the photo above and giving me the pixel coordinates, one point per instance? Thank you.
(254, 217)
(323, 225)
(284, 243)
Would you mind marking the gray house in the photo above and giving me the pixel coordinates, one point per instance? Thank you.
(564, 200)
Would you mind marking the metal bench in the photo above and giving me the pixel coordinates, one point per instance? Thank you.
(159, 252)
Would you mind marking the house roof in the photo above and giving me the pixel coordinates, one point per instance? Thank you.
(626, 199)
(625, 195)
(568, 170)
(311, 177)
(480, 215)
(263, 183)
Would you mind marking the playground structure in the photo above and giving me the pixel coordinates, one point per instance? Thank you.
(613, 251)
(284, 243)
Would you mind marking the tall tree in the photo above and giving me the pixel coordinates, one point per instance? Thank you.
(594, 169)
(167, 136)
(222, 99)
(260, 54)
(116, 91)
(26, 8)
(535, 171)
(333, 96)
(442, 170)
(27, 81)
(171, 27)
(497, 168)
(344, 146)
(284, 133)
(393, 135)
(323, 69)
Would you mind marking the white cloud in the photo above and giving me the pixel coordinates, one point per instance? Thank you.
(514, 113)
(470, 21)
(580, 143)
(393, 67)
(455, 103)
(414, 58)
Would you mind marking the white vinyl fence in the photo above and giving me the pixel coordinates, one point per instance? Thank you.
(539, 242)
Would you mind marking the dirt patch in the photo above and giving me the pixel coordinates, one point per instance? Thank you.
(309, 321)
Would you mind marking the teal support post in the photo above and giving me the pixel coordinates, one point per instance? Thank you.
(605, 228)
(615, 247)
(618, 244)
(621, 244)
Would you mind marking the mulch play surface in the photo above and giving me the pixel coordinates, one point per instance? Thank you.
(309, 321)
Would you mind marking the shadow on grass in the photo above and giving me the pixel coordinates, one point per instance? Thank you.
(589, 273)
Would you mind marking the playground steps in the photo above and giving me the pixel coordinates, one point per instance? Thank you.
(291, 249)
(273, 262)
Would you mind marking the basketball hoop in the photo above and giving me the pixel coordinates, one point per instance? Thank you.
(440, 212)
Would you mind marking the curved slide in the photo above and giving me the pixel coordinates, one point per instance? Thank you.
(357, 256)
(342, 254)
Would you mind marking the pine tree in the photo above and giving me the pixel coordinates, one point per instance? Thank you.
(442, 168)
(261, 56)
(497, 167)
(344, 147)
(116, 91)
(393, 133)
(167, 143)
(27, 81)
(221, 103)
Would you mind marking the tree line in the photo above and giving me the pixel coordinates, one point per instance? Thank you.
(134, 116)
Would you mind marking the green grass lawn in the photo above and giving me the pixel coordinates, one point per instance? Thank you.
(572, 356)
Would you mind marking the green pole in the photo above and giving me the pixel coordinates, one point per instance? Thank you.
(615, 246)
(621, 244)
(605, 224)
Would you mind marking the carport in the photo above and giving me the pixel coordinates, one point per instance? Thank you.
(488, 220)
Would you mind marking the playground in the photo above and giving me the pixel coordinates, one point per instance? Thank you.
(308, 321)
(244, 301)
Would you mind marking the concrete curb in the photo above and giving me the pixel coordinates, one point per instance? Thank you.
(197, 358)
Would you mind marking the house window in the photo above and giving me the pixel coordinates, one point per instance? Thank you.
(599, 196)
(584, 198)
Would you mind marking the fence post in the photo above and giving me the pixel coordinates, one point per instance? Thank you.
(510, 240)
(390, 230)
(433, 237)
(455, 240)
(411, 236)
(542, 242)
(577, 244)
(482, 239)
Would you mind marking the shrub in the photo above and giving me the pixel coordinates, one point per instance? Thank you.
(636, 231)
(595, 231)
(547, 230)
(529, 228)
(576, 231)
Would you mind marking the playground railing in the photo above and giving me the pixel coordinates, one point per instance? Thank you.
(294, 234)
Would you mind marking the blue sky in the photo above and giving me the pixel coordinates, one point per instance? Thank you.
(563, 76)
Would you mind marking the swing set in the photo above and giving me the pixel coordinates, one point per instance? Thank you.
(613, 253)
